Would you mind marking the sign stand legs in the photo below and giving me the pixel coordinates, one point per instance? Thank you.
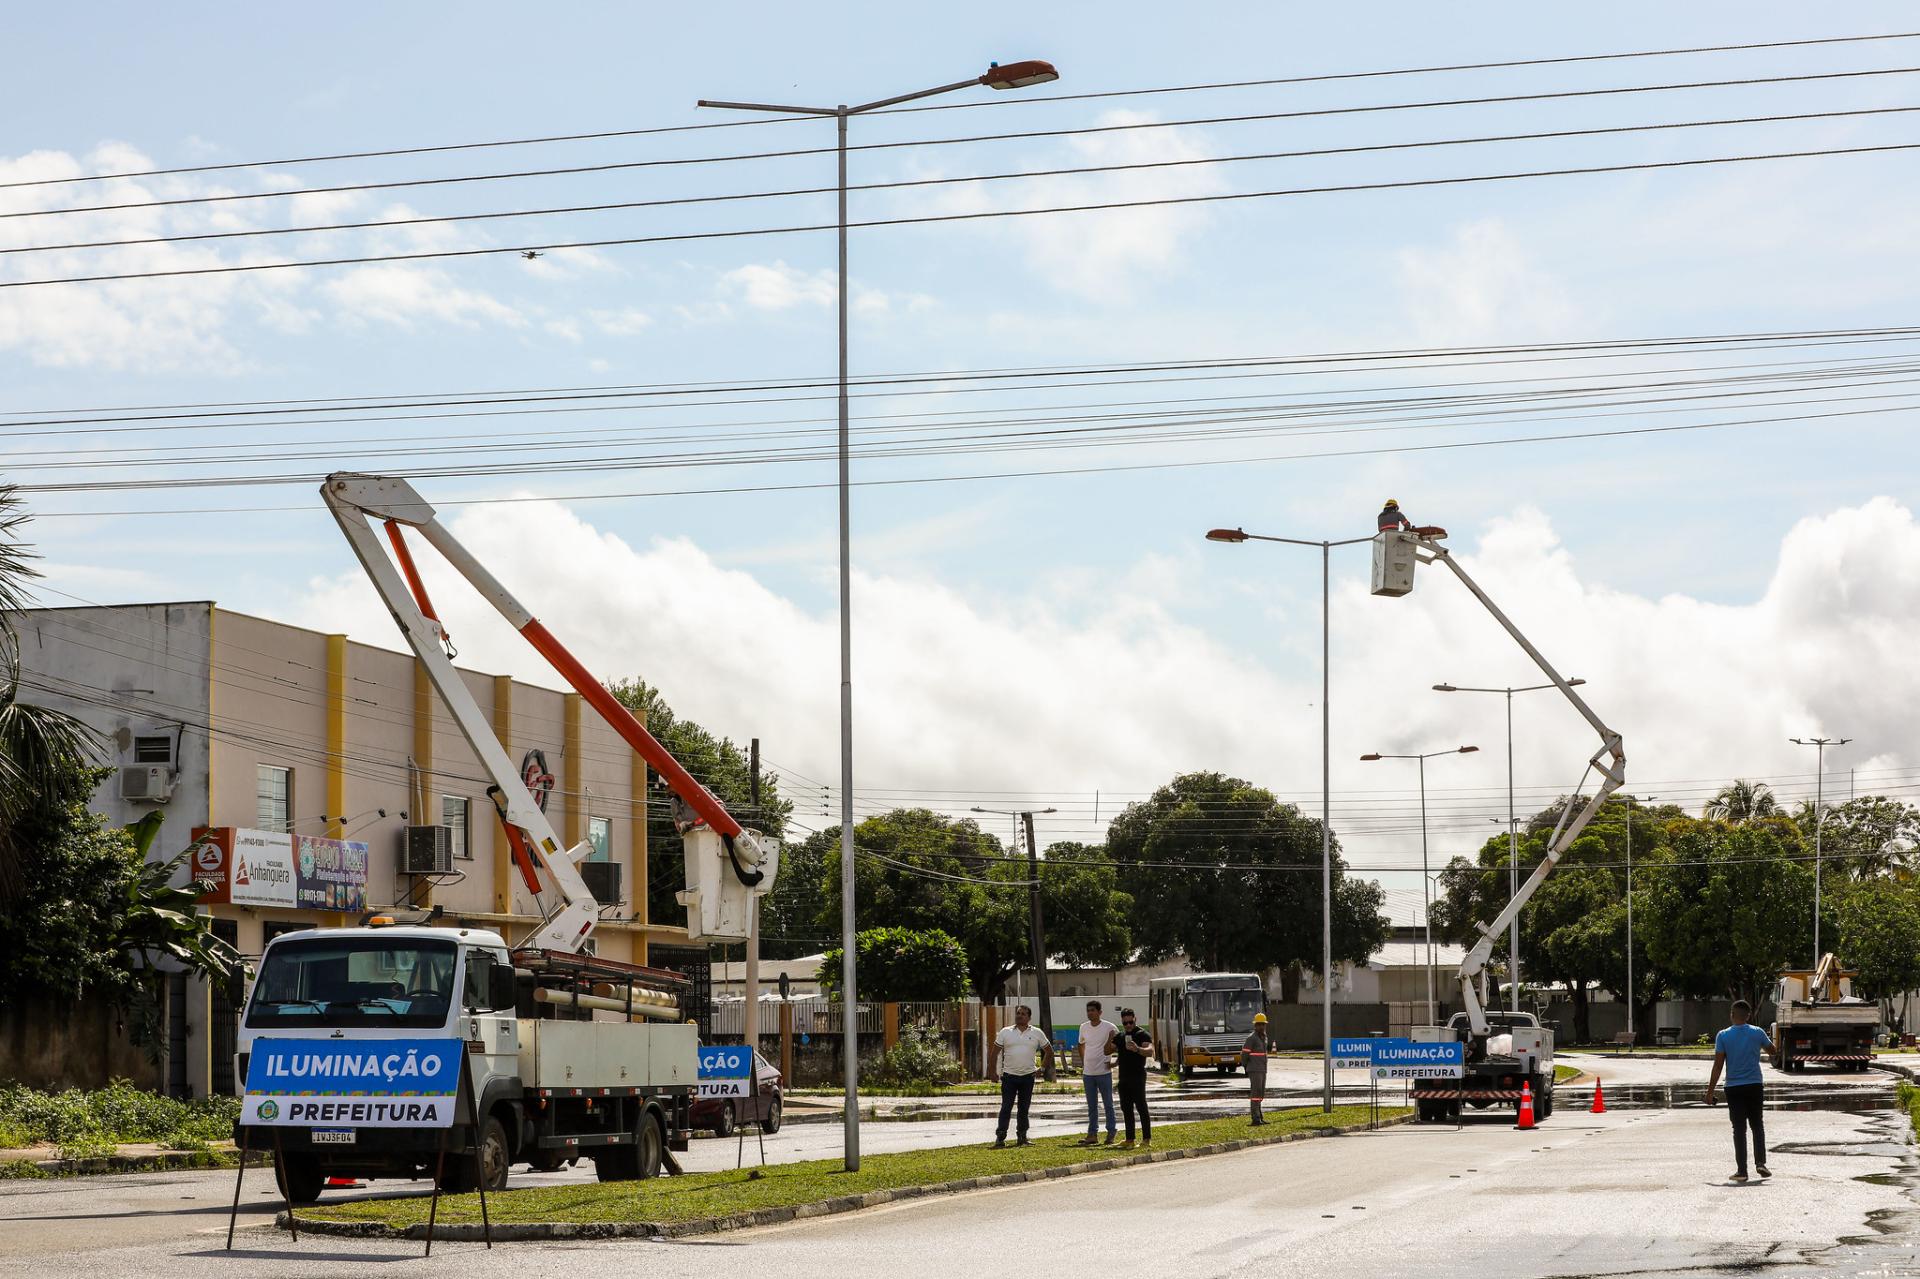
(286, 1184)
(463, 1091)
(753, 1109)
(246, 1138)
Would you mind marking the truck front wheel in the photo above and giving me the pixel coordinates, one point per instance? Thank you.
(299, 1178)
(458, 1177)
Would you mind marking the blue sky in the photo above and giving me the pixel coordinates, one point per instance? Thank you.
(1792, 245)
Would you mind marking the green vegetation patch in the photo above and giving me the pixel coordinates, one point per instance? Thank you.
(1561, 1074)
(667, 1200)
(91, 1123)
(1909, 1096)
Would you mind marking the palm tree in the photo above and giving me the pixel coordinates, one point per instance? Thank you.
(1742, 801)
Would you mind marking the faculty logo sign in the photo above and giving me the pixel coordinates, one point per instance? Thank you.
(367, 1083)
(273, 868)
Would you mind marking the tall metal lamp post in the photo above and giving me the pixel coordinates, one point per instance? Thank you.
(1513, 831)
(1820, 745)
(1326, 791)
(1426, 897)
(1015, 75)
(1631, 801)
(1038, 927)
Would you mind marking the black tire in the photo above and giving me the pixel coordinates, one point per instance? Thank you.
(1427, 1111)
(727, 1120)
(299, 1178)
(772, 1124)
(1545, 1103)
(651, 1148)
(495, 1157)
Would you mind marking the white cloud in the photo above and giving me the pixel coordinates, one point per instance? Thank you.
(1483, 285)
(405, 295)
(624, 323)
(1083, 689)
(566, 330)
(775, 286)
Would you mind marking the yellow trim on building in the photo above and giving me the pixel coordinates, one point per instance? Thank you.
(502, 856)
(573, 772)
(336, 750)
(424, 811)
(637, 872)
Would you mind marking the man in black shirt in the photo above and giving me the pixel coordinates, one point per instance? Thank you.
(1134, 1046)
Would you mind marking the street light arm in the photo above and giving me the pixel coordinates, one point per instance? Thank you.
(767, 106)
(897, 99)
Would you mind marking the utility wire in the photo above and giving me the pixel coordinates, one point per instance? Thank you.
(1027, 135)
(287, 161)
(1100, 206)
(737, 197)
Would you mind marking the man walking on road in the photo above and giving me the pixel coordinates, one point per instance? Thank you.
(1135, 1046)
(1253, 1055)
(1737, 1050)
(1017, 1050)
(1096, 1071)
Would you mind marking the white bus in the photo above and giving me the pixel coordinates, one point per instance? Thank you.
(1203, 1019)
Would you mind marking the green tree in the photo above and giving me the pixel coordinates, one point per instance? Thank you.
(923, 870)
(1742, 801)
(717, 763)
(1222, 872)
(900, 964)
(1866, 837)
(1727, 907)
(1879, 925)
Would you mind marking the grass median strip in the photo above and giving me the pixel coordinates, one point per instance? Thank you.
(702, 1196)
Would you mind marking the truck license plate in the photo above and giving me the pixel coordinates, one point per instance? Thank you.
(334, 1136)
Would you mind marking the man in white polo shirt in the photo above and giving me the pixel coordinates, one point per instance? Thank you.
(1096, 1071)
(1017, 1051)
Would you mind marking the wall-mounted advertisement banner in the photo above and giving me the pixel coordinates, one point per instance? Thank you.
(338, 1084)
(724, 1071)
(273, 868)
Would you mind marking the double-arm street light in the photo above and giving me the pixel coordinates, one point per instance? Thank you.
(1326, 789)
(1631, 801)
(1426, 896)
(1039, 924)
(1820, 745)
(1513, 831)
(1015, 75)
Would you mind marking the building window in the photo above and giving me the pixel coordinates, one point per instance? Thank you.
(455, 813)
(273, 798)
(153, 750)
(600, 835)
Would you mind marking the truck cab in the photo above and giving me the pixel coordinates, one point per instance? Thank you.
(1515, 1054)
(550, 1084)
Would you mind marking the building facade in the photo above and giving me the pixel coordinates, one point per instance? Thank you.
(313, 759)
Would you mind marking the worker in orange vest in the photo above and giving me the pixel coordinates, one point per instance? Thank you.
(1253, 1055)
(1391, 520)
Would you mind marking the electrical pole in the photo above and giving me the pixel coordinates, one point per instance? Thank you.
(1037, 938)
(750, 971)
(1820, 745)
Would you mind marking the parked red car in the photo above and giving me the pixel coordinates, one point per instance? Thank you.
(723, 1114)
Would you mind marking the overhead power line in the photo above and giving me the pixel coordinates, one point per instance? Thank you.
(1080, 171)
(607, 134)
(1098, 206)
(1024, 135)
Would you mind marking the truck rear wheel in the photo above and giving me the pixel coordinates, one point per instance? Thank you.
(635, 1162)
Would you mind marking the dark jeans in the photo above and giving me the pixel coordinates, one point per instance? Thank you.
(1745, 1103)
(1133, 1099)
(1014, 1088)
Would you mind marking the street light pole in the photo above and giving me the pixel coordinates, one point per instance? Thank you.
(1038, 927)
(1326, 786)
(1426, 899)
(1013, 76)
(1513, 831)
(1820, 745)
(1630, 992)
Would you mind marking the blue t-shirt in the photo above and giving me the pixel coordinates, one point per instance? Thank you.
(1743, 1045)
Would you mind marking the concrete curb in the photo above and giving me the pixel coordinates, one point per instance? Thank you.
(165, 1161)
(541, 1231)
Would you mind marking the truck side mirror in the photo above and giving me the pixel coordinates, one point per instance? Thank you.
(501, 986)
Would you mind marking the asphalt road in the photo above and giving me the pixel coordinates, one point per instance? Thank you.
(1631, 1192)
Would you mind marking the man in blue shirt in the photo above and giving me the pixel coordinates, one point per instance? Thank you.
(1737, 1050)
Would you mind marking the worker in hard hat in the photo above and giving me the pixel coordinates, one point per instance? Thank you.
(1391, 518)
(1253, 1055)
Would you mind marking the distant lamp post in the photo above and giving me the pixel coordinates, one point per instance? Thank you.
(1631, 801)
(1326, 787)
(1820, 745)
(1513, 831)
(1426, 896)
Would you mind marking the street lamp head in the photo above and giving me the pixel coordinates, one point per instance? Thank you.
(1468, 750)
(1572, 682)
(1373, 756)
(1226, 535)
(1018, 75)
(1049, 810)
(1445, 688)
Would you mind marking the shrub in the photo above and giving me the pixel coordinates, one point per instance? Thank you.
(119, 1112)
(84, 1146)
(919, 1059)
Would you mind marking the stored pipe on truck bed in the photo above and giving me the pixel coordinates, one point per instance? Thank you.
(600, 1003)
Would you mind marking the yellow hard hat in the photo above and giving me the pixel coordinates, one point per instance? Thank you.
(1392, 502)
(1259, 1019)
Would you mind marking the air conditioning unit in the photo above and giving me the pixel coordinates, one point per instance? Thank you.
(146, 783)
(603, 880)
(427, 850)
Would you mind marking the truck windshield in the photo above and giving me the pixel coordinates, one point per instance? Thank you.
(360, 981)
(1230, 1010)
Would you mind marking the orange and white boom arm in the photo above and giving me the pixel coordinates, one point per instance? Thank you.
(354, 500)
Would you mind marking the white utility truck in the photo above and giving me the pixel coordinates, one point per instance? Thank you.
(568, 1056)
(1506, 1053)
(1818, 1018)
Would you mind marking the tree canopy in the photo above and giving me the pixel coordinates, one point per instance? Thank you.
(1222, 872)
(1727, 907)
(899, 964)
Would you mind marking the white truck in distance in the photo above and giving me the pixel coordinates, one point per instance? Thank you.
(548, 1090)
(1817, 1018)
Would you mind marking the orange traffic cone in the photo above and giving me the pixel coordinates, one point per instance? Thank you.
(1526, 1107)
(1599, 1106)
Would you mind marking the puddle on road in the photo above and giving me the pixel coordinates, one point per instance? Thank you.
(1847, 1098)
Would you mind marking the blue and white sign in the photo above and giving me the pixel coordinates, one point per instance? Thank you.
(1352, 1053)
(725, 1071)
(1408, 1059)
(352, 1083)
